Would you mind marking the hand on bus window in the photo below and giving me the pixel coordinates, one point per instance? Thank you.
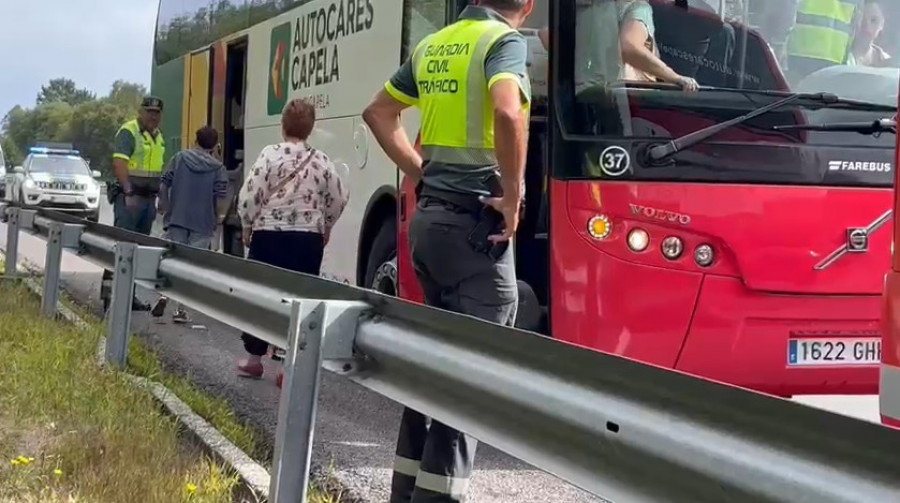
(688, 84)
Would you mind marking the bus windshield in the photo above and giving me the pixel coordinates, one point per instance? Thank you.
(632, 58)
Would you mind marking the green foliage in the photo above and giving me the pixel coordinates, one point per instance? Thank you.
(65, 113)
(63, 91)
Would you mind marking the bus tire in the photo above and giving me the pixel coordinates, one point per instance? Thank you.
(528, 312)
(381, 267)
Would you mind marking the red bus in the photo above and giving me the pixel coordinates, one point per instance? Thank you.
(727, 233)
(889, 382)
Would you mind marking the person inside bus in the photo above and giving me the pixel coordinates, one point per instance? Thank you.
(821, 36)
(694, 40)
(615, 41)
(288, 205)
(869, 26)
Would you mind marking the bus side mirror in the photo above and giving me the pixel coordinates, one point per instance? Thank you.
(96, 174)
(19, 170)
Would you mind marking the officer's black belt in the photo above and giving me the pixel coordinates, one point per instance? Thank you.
(455, 201)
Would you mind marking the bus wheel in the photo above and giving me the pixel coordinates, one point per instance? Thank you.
(528, 312)
(385, 280)
(381, 269)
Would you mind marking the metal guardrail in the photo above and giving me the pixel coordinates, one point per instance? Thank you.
(623, 430)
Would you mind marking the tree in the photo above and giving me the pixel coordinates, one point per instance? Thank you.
(67, 114)
(63, 90)
(127, 94)
(11, 153)
(93, 130)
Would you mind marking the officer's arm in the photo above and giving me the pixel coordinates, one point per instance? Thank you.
(383, 117)
(505, 69)
(122, 154)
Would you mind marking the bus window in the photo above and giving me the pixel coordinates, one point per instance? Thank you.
(187, 25)
(538, 70)
(617, 86)
(421, 19)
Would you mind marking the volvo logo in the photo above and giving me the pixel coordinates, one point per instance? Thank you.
(660, 214)
(857, 240)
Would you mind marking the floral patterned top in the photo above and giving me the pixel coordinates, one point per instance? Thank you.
(312, 201)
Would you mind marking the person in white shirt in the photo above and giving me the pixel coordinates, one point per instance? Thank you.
(288, 205)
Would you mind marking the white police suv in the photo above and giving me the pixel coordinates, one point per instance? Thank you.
(57, 179)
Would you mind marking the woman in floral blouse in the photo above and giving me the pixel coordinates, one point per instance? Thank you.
(288, 205)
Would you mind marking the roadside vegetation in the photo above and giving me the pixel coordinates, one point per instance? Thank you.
(41, 456)
(70, 431)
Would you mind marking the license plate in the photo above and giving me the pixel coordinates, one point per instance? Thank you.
(819, 352)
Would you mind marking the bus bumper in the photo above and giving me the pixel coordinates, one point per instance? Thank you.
(784, 344)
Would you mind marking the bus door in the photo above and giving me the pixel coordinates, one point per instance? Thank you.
(197, 94)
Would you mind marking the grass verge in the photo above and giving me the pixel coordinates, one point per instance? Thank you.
(144, 362)
(70, 431)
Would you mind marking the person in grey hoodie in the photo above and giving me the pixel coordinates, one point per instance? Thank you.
(192, 197)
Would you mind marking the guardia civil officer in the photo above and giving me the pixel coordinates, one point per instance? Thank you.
(470, 82)
(138, 166)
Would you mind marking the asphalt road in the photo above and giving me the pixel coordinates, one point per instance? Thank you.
(356, 429)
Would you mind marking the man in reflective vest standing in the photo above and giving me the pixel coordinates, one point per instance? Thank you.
(138, 166)
(470, 82)
(821, 35)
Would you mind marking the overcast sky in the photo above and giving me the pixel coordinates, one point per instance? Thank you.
(91, 42)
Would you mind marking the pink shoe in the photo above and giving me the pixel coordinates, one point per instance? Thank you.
(248, 369)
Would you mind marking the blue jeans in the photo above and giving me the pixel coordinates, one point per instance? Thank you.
(188, 237)
(137, 219)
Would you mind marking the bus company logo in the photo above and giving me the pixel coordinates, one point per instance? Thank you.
(865, 166)
(279, 55)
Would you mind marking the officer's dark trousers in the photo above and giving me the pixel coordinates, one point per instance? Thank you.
(434, 462)
(139, 219)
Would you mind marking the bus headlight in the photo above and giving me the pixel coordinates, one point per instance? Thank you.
(672, 247)
(638, 239)
(703, 255)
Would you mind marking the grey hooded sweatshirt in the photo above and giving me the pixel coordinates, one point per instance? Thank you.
(192, 190)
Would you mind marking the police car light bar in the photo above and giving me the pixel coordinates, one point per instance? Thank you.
(56, 151)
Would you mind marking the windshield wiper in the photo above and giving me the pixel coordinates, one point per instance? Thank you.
(867, 128)
(663, 151)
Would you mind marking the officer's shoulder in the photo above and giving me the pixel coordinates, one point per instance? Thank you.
(513, 34)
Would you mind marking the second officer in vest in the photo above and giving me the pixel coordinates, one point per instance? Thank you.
(821, 36)
(138, 166)
(470, 82)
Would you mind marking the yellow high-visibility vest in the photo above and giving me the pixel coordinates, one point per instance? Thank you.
(147, 159)
(454, 93)
(824, 30)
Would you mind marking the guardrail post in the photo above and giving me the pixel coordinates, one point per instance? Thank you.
(299, 398)
(12, 241)
(61, 236)
(120, 310)
(52, 270)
